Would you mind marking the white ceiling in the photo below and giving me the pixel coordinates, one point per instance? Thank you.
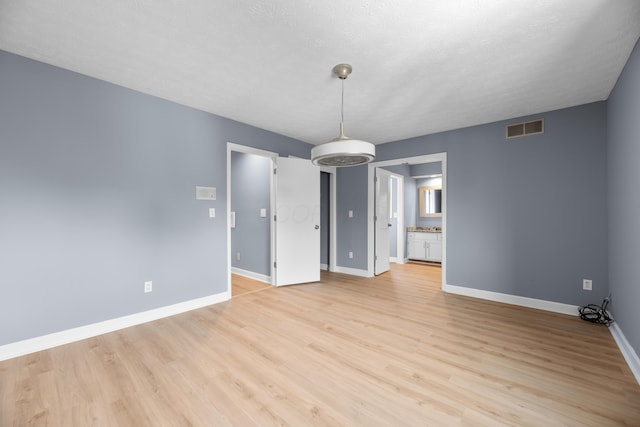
(419, 66)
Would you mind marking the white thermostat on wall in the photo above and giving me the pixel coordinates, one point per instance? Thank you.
(205, 193)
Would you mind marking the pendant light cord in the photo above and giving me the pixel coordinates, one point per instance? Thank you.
(342, 103)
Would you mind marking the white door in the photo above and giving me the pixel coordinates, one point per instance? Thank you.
(382, 178)
(297, 222)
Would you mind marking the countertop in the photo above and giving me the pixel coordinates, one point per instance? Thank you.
(430, 229)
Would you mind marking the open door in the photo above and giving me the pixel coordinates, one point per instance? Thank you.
(381, 259)
(297, 222)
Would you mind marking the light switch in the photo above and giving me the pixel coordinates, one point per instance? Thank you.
(350, 214)
(212, 212)
(263, 213)
(232, 220)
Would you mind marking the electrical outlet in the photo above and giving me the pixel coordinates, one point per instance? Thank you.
(148, 286)
(237, 256)
(587, 284)
(350, 254)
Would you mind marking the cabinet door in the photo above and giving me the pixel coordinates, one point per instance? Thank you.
(417, 249)
(435, 251)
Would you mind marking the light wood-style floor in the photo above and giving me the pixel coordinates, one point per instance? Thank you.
(391, 351)
(241, 285)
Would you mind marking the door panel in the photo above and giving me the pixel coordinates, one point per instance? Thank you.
(382, 221)
(297, 223)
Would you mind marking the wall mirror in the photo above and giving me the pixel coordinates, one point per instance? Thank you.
(430, 201)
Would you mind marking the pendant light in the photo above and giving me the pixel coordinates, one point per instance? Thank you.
(343, 151)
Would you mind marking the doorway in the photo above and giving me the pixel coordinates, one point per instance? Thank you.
(371, 224)
(250, 202)
(289, 249)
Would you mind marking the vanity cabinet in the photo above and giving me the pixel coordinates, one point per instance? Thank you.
(424, 246)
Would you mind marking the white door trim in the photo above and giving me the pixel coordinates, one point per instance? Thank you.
(271, 156)
(427, 158)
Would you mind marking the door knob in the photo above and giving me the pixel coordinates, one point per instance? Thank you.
(316, 227)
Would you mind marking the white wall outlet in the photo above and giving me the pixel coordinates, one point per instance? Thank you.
(587, 284)
(237, 256)
(148, 286)
(350, 213)
(212, 212)
(350, 254)
(263, 213)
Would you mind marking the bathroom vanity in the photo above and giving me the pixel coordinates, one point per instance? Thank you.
(424, 243)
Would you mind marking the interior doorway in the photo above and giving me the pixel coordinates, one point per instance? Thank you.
(250, 204)
(440, 158)
(285, 208)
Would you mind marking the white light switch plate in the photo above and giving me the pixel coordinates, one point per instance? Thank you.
(263, 213)
(350, 214)
(212, 212)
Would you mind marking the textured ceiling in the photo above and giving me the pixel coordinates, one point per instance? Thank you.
(419, 66)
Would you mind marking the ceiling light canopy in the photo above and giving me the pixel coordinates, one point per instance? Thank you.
(343, 151)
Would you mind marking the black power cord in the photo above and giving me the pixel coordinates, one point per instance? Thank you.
(597, 314)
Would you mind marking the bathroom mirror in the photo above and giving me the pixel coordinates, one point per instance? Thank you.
(430, 201)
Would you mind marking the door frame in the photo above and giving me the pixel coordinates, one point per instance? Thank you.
(415, 160)
(272, 203)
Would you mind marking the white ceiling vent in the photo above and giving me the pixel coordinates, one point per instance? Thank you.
(525, 128)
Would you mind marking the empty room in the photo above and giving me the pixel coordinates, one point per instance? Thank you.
(354, 213)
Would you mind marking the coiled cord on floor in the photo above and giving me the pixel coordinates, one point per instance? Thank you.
(596, 314)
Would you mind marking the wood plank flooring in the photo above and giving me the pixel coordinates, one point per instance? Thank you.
(393, 350)
(241, 285)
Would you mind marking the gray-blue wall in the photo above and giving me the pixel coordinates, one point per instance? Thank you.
(97, 190)
(426, 169)
(351, 195)
(624, 199)
(250, 192)
(522, 217)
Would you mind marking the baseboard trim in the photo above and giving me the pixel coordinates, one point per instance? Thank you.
(393, 259)
(555, 307)
(251, 275)
(324, 267)
(44, 342)
(352, 271)
(627, 351)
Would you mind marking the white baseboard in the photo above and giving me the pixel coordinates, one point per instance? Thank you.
(251, 275)
(32, 345)
(352, 271)
(627, 351)
(393, 259)
(555, 307)
(324, 267)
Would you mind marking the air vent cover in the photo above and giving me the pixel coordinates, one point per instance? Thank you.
(525, 128)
